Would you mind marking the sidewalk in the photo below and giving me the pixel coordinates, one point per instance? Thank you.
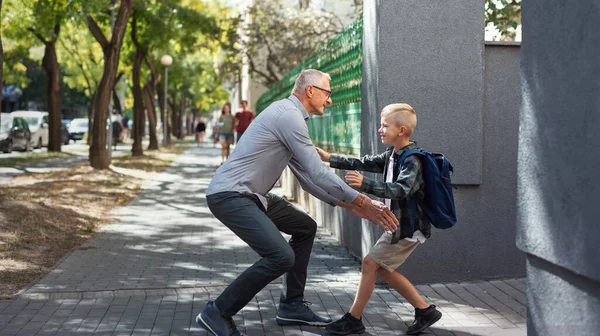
(153, 272)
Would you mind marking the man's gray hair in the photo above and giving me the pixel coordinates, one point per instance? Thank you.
(308, 77)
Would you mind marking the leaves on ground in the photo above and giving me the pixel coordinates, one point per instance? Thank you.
(45, 216)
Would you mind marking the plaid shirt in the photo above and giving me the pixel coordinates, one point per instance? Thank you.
(407, 186)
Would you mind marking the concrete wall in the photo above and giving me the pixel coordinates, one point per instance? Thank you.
(474, 121)
(558, 174)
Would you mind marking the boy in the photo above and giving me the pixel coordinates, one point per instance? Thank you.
(402, 184)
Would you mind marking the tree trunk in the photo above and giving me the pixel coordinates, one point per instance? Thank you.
(163, 110)
(151, 111)
(194, 119)
(50, 65)
(116, 102)
(112, 50)
(174, 113)
(115, 97)
(138, 105)
(156, 85)
(139, 119)
(183, 131)
(188, 124)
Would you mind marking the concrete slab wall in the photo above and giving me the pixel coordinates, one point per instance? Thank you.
(559, 160)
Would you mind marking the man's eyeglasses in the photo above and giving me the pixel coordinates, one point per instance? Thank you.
(324, 90)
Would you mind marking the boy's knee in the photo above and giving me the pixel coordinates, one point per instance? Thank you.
(369, 265)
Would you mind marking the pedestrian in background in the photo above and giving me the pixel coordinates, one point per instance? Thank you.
(242, 120)
(225, 126)
(200, 130)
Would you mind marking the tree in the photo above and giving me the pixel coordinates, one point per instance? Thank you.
(149, 89)
(505, 15)
(160, 27)
(81, 57)
(276, 39)
(43, 19)
(111, 49)
(138, 95)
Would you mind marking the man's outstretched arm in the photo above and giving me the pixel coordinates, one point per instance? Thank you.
(373, 211)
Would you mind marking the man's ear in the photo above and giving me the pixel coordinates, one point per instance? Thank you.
(309, 91)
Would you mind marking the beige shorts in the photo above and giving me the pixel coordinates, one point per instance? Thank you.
(391, 256)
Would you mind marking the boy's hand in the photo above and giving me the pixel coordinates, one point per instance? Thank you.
(354, 179)
(323, 154)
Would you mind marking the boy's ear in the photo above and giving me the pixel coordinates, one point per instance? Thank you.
(402, 130)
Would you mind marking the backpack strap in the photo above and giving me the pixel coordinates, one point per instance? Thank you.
(406, 154)
(413, 209)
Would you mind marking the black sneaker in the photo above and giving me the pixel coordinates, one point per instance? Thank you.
(299, 313)
(348, 324)
(424, 318)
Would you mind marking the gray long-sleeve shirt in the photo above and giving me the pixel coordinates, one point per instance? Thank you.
(276, 138)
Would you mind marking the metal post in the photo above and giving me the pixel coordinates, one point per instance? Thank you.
(166, 119)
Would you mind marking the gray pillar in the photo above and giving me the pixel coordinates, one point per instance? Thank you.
(559, 160)
(428, 54)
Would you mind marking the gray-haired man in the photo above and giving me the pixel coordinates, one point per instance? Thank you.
(239, 197)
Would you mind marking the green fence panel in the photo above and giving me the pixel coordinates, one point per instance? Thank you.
(338, 129)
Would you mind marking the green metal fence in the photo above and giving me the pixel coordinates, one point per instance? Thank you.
(339, 128)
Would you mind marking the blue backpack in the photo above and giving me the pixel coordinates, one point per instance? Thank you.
(438, 203)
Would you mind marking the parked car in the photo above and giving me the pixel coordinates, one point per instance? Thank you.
(78, 127)
(14, 133)
(38, 125)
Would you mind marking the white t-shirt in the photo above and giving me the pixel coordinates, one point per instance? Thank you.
(389, 177)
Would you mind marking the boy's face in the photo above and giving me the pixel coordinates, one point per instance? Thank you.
(389, 131)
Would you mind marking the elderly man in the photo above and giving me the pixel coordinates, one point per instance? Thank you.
(239, 197)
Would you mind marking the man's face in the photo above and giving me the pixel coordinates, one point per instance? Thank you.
(244, 105)
(319, 96)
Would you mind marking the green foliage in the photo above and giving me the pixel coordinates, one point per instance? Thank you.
(16, 60)
(200, 35)
(36, 19)
(80, 57)
(505, 15)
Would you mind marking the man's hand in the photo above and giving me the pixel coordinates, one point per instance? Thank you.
(323, 154)
(374, 211)
(354, 179)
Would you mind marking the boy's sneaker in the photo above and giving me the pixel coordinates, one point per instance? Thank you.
(348, 324)
(298, 313)
(424, 318)
(211, 320)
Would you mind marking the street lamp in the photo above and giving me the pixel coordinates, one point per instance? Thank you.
(166, 61)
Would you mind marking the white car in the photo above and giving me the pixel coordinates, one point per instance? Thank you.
(38, 125)
(78, 127)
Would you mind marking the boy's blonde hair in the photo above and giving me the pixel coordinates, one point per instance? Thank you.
(402, 115)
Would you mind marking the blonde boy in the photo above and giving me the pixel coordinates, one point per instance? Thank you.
(400, 186)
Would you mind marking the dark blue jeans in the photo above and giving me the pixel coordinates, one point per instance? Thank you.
(261, 230)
